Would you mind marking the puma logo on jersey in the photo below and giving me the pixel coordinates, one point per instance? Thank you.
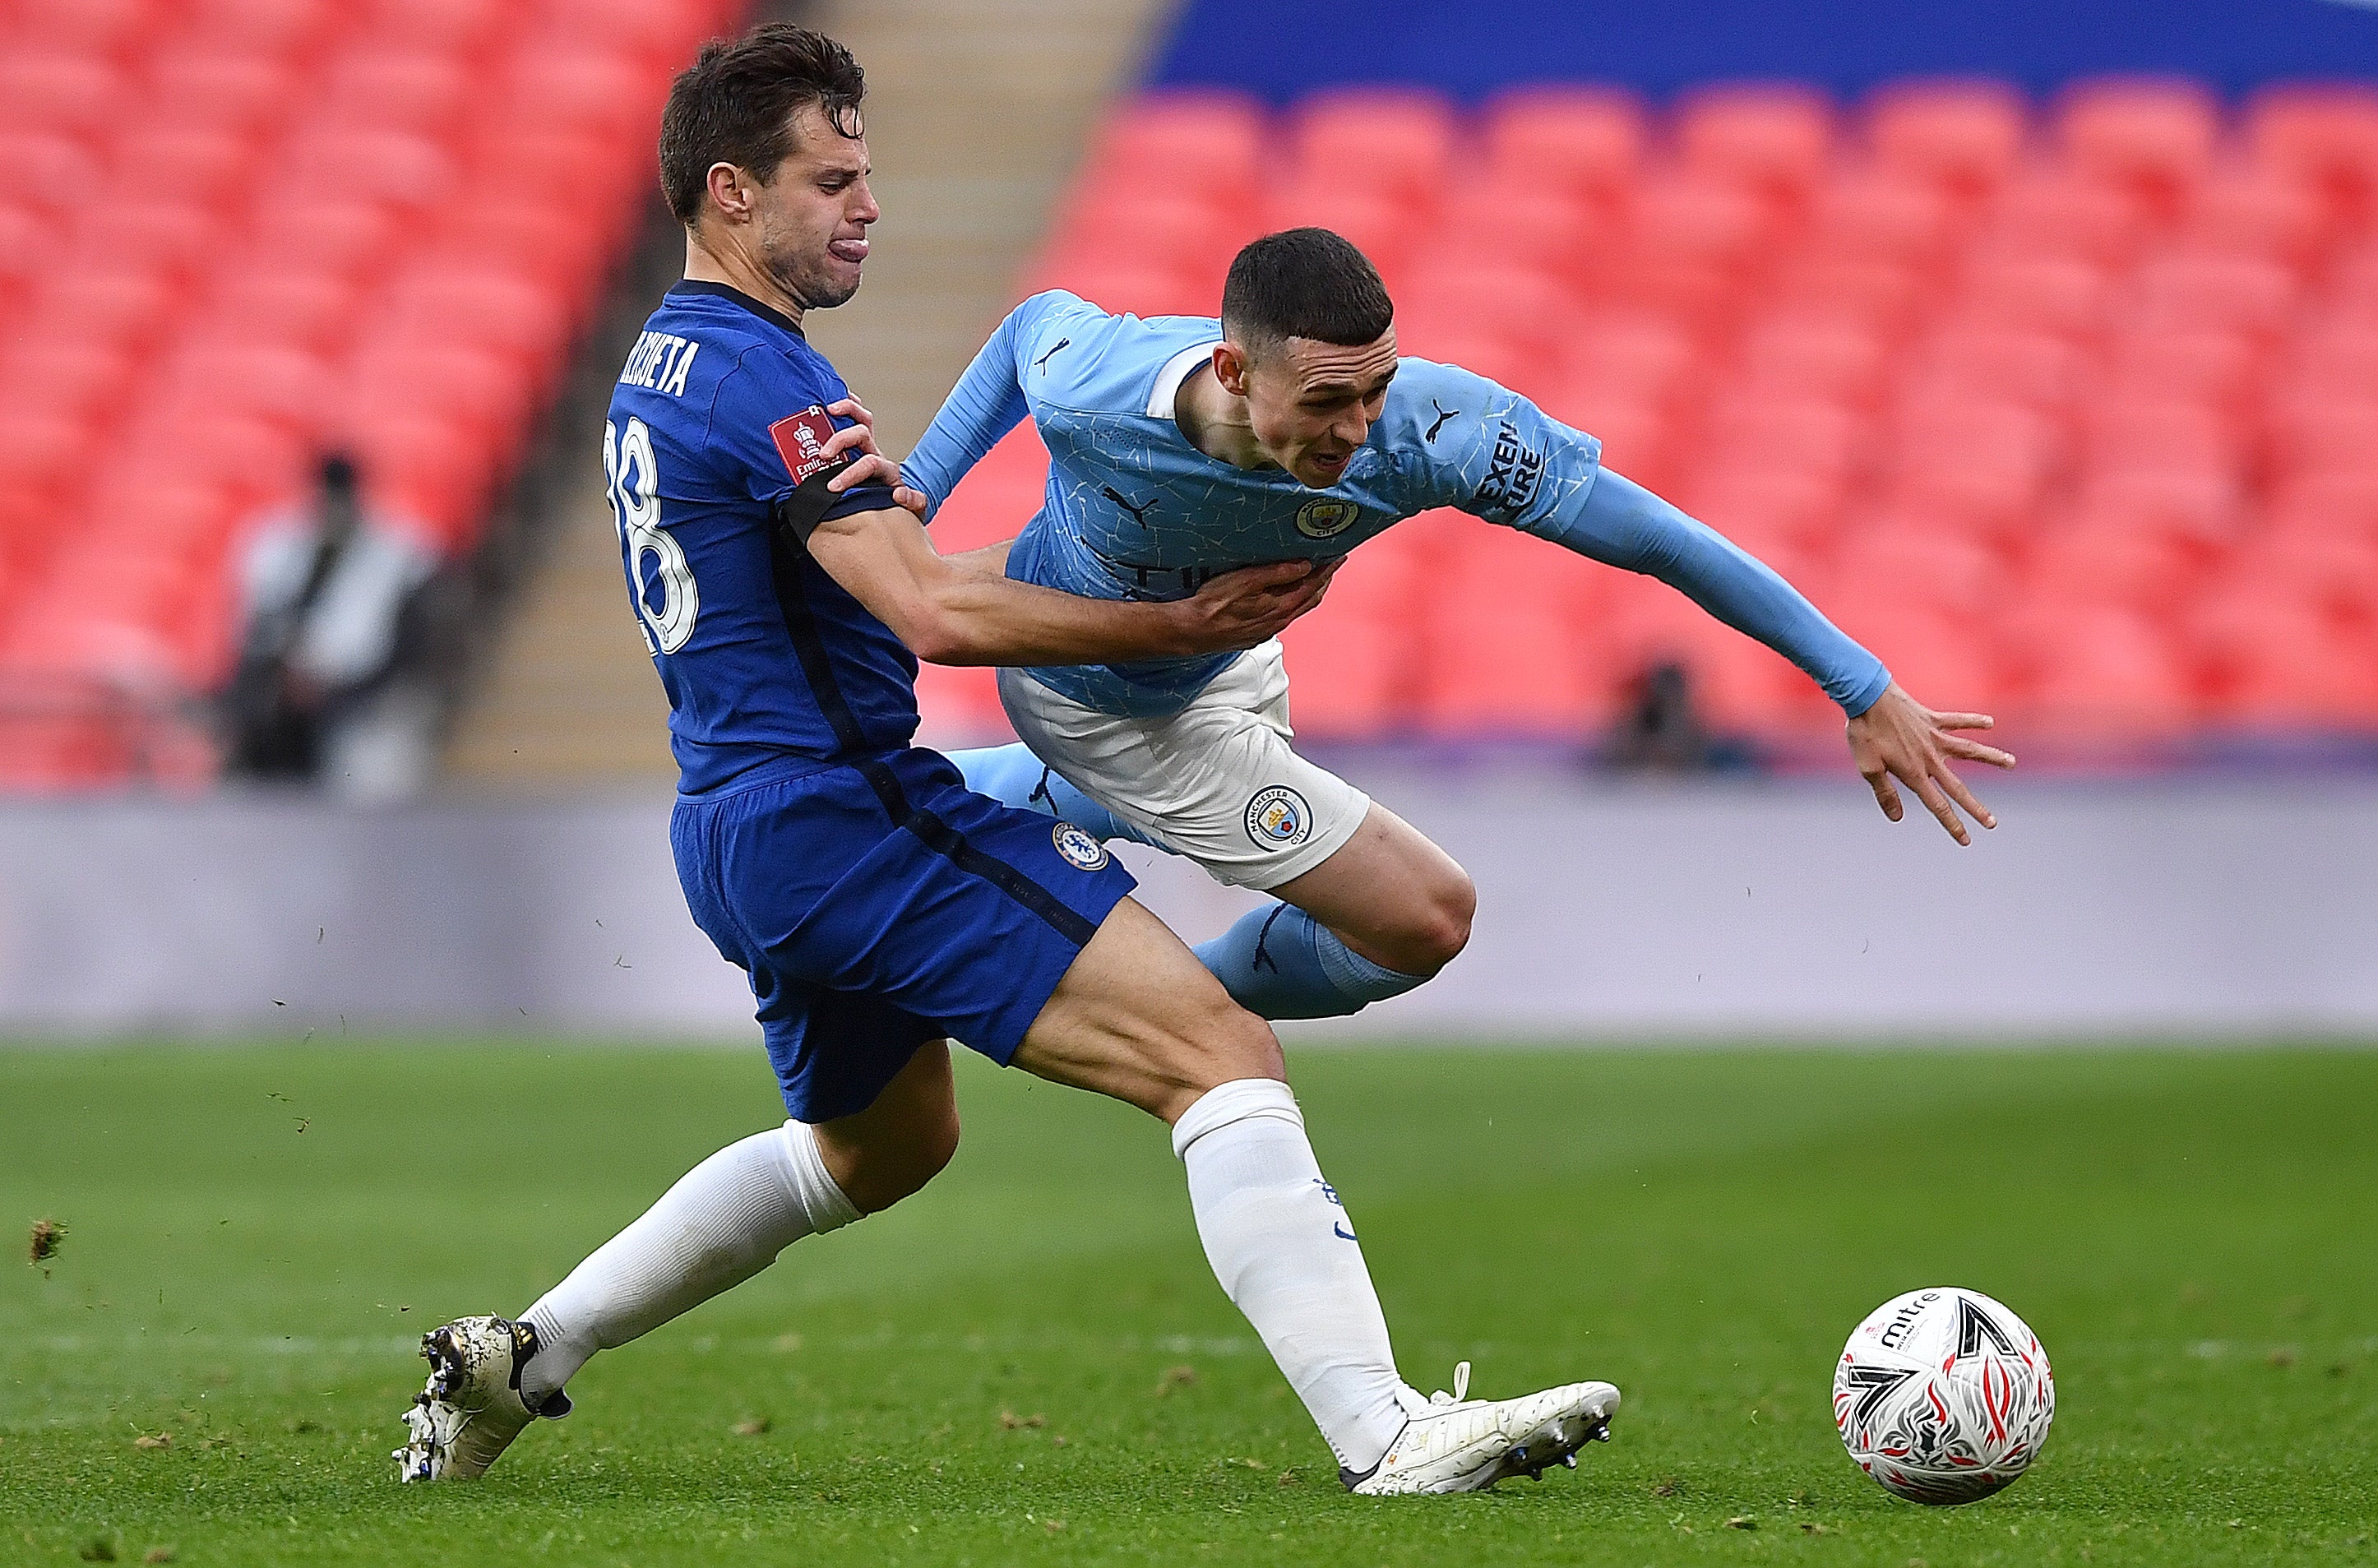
(1041, 364)
(1138, 513)
(1443, 414)
(660, 361)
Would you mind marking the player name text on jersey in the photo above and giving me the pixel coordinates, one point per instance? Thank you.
(660, 361)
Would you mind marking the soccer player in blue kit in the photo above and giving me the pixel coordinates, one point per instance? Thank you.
(879, 906)
(1291, 429)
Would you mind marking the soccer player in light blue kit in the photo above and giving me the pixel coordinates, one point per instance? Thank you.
(1184, 446)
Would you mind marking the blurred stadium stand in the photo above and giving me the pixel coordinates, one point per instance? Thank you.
(233, 232)
(2069, 409)
(2059, 390)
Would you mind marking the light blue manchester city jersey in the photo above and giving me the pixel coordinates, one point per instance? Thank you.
(1135, 510)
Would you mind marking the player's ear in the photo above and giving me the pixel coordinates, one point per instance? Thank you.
(728, 191)
(1230, 369)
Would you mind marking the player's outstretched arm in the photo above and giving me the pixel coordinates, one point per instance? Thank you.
(1899, 737)
(952, 613)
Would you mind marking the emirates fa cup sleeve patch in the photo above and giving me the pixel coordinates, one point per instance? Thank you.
(1080, 850)
(1279, 819)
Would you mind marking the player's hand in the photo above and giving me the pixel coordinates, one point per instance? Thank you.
(1901, 738)
(868, 465)
(1243, 609)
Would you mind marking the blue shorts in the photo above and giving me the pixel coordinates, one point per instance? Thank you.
(878, 904)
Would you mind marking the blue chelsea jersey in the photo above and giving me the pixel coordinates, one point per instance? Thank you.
(1135, 510)
(714, 422)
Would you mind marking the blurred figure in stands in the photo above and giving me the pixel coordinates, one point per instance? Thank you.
(1662, 730)
(335, 683)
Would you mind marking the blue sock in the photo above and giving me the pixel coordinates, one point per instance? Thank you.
(1281, 963)
(1013, 776)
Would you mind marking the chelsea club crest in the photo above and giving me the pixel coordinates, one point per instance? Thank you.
(1326, 517)
(1081, 850)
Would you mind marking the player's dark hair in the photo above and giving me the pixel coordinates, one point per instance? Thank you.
(735, 104)
(1304, 283)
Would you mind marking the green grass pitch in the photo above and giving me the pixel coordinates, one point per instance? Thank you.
(1030, 1363)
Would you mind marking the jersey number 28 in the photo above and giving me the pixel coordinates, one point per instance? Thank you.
(635, 486)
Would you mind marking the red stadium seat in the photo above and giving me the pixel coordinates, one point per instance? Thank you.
(1948, 661)
(2216, 367)
(176, 236)
(1882, 296)
(1382, 226)
(1201, 146)
(1785, 515)
(998, 496)
(1965, 137)
(53, 91)
(1892, 217)
(1394, 143)
(2325, 134)
(2342, 503)
(2031, 368)
(77, 378)
(1553, 235)
(2095, 563)
(2154, 135)
(1694, 244)
(2101, 672)
(1585, 143)
(277, 26)
(2071, 298)
(590, 89)
(1355, 662)
(2249, 211)
(299, 307)
(2051, 212)
(2273, 656)
(384, 89)
(1821, 356)
(223, 87)
(340, 236)
(2201, 508)
(1988, 495)
(1507, 654)
(1774, 137)
(2186, 438)
(45, 170)
(400, 168)
(202, 167)
(2238, 292)
(108, 29)
(113, 307)
(455, 28)
(1908, 561)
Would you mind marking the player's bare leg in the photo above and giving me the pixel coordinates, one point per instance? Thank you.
(721, 1223)
(1139, 1019)
(1382, 915)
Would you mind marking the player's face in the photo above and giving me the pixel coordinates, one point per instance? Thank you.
(1312, 405)
(810, 222)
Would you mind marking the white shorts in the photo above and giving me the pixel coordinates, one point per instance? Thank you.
(1216, 782)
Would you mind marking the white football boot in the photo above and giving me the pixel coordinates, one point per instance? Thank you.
(473, 1408)
(1451, 1442)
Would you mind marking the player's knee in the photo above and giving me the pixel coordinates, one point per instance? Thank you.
(1432, 926)
(887, 1172)
(1224, 1044)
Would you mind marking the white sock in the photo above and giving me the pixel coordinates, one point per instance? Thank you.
(724, 1221)
(1284, 1251)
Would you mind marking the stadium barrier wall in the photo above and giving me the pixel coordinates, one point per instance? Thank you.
(1785, 910)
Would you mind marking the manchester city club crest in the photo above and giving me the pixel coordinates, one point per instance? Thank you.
(1279, 819)
(1326, 517)
(1078, 848)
